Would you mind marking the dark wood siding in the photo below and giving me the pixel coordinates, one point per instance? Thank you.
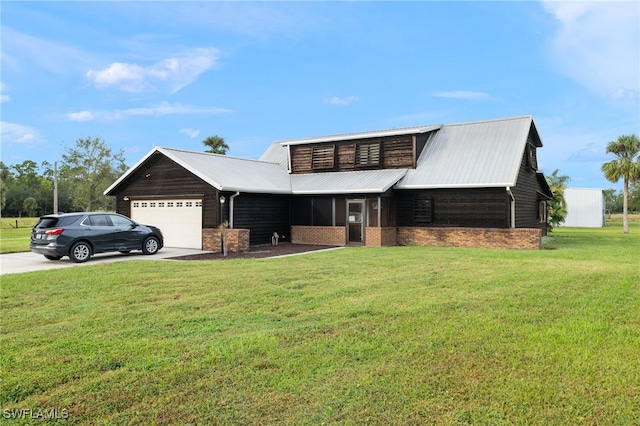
(262, 215)
(482, 208)
(395, 152)
(526, 193)
(163, 178)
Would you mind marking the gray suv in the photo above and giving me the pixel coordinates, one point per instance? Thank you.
(80, 235)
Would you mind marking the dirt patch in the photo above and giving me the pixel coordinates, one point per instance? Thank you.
(258, 252)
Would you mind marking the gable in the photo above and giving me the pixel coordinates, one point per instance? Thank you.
(471, 155)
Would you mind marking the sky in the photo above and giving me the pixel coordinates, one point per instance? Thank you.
(145, 74)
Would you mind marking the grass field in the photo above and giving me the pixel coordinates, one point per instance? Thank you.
(396, 335)
(15, 239)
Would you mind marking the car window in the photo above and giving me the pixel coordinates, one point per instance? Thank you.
(97, 220)
(120, 221)
(52, 221)
(47, 222)
(68, 220)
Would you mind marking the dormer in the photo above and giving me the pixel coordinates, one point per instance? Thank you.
(386, 149)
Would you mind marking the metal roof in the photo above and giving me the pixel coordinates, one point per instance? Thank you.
(478, 154)
(362, 135)
(223, 172)
(467, 155)
(357, 182)
(276, 153)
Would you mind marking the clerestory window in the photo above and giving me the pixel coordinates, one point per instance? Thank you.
(323, 157)
(368, 154)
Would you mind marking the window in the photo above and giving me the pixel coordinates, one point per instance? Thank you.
(120, 221)
(531, 157)
(161, 204)
(368, 154)
(97, 220)
(188, 204)
(152, 204)
(422, 210)
(542, 211)
(198, 203)
(322, 211)
(170, 204)
(179, 204)
(136, 204)
(323, 157)
(143, 204)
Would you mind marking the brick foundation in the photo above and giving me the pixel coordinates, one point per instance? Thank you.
(322, 235)
(379, 237)
(509, 238)
(237, 240)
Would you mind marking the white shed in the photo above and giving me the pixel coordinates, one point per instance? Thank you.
(585, 207)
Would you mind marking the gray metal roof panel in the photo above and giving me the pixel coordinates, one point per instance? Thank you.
(362, 135)
(276, 153)
(479, 154)
(233, 174)
(363, 181)
(223, 172)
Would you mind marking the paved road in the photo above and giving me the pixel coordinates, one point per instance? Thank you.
(14, 263)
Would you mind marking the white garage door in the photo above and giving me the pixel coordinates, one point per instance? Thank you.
(179, 220)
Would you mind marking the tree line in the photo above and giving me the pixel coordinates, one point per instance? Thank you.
(86, 170)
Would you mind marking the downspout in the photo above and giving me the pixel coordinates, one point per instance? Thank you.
(231, 208)
(513, 207)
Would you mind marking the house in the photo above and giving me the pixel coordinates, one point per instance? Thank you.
(468, 184)
(585, 207)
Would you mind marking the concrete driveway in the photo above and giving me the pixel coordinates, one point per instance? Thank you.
(14, 263)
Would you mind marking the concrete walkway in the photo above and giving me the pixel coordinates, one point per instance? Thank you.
(14, 263)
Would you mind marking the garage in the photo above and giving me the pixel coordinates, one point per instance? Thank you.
(180, 220)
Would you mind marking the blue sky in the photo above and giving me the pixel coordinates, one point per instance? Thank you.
(145, 74)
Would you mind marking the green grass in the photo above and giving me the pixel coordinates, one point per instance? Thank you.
(15, 239)
(395, 335)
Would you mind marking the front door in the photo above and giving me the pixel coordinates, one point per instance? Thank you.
(355, 221)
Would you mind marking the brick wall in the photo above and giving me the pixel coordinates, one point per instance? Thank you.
(237, 240)
(509, 238)
(379, 237)
(323, 235)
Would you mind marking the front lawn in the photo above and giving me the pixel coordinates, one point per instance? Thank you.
(395, 335)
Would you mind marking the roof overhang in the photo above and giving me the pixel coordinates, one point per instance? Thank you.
(362, 135)
(356, 182)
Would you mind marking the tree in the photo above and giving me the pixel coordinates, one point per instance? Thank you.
(30, 205)
(626, 148)
(557, 206)
(5, 176)
(89, 169)
(216, 145)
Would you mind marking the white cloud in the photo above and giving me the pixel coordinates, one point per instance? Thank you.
(80, 116)
(597, 44)
(461, 94)
(13, 133)
(192, 133)
(173, 73)
(336, 100)
(3, 97)
(165, 108)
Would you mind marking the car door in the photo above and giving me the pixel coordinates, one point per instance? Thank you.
(99, 231)
(126, 234)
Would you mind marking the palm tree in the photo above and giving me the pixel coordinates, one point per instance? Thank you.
(626, 148)
(216, 145)
(557, 206)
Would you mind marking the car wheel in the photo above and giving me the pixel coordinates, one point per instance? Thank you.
(48, 256)
(80, 252)
(151, 245)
